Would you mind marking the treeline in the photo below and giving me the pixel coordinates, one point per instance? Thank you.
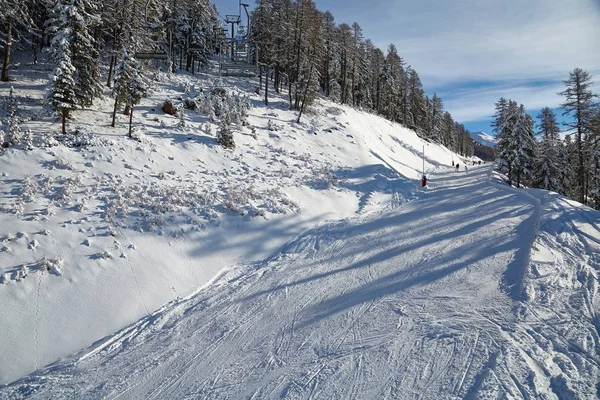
(184, 30)
(79, 32)
(300, 47)
(569, 166)
(305, 51)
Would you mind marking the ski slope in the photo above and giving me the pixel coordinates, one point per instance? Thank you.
(96, 235)
(472, 290)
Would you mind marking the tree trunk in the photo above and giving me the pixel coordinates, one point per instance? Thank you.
(34, 47)
(6, 62)
(290, 91)
(305, 93)
(113, 59)
(277, 78)
(267, 86)
(63, 113)
(110, 71)
(130, 117)
(114, 117)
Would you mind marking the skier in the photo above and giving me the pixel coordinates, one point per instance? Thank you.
(466, 170)
(457, 165)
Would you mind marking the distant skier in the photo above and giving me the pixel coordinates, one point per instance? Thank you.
(466, 170)
(457, 165)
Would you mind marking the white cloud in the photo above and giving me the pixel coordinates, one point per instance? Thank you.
(462, 41)
(475, 104)
(453, 43)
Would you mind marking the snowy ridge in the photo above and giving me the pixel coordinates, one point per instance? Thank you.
(483, 138)
(443, 297)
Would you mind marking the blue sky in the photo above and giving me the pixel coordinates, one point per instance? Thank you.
(472, 52)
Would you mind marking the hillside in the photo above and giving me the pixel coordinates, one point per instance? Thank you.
(484, 138)
(100, 230)
(475, 290)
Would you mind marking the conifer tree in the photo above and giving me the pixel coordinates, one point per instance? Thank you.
(82, 20)
(129, 87)
(15, 20)
(504, 123)
(525, 147)
(225, 135)
(548, 168)
(578, 104)
(595, 144)
(123, 74)
(61, 95)
(437, 119)
(13, 135)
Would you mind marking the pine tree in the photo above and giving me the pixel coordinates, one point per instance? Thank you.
(82, 20)
(225, 134)
(595, 181)
(525, 147)
(578, 105)
(15, 20)
(61, 95)
(505, 120)
(123, 74)
(437, 119)
(548, 168)
(595, 143)
(568, 161)
(129, 87)
(416, 104)
(13, 135)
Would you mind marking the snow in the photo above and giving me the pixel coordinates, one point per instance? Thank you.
(484, 138)
(306, 263)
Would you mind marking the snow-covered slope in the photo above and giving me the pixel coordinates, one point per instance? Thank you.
(484, 138)
(474, 290)
(97, 236)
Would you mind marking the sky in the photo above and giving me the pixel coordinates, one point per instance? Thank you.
(472, 52)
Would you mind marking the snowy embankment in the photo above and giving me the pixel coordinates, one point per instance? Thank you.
(474, 290)
(100, 233)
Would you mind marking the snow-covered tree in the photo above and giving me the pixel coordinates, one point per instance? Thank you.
(83, 19)
(567, 156)
(578, 104)
(225, 134)
(525, 147)
(548, 166)
(129, 87)
(14, 19)
(437, 118)
(74, 20)
(504, 123)
(595, 143)
(61, 95)
(13, 135)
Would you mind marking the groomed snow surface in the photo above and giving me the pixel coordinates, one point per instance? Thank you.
(303, 264)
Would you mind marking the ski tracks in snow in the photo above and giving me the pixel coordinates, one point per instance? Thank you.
(413, 302)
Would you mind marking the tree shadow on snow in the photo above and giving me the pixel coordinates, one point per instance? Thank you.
(411, 240)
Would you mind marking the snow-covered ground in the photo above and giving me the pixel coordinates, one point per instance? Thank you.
(484, 138)
(474, 290)
(306, 263)
(97, 236)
